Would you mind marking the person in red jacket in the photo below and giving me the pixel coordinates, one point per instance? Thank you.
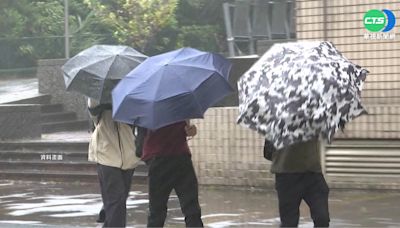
(168, 156)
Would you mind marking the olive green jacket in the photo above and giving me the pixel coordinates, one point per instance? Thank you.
(297, 158)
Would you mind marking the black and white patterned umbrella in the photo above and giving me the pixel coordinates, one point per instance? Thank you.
(299, 91)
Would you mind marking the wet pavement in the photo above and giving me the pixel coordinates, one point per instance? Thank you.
(16, 89)
(50, 204)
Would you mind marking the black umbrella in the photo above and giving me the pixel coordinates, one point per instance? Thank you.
(95, 71)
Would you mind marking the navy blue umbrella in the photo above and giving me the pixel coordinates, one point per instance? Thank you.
(171, 87)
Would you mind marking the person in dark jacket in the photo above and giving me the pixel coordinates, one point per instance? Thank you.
(298, 176)
(167, 153)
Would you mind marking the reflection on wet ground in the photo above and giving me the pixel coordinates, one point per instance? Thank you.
(16, 89)
(38, 204)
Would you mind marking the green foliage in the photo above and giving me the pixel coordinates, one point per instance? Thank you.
(203, 37)
(34, 29)
(12, 24)
(136, 23)
(200, 12)
(201, 24)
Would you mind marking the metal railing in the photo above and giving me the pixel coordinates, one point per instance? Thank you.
(248, 21)
(19, 54)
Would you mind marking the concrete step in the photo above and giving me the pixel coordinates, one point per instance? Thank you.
(45, 146)
(58, 117)
(65, 126)
(37, 99)
(142, 168)
(74, 176)
(49, 165)
(50, 108)
(70, 156)
(51, 159)
(13, 157)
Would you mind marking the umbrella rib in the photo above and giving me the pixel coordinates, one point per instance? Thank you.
(95, 61)
(197, 67)
(109, 67)
(185, 59)
(98, 62)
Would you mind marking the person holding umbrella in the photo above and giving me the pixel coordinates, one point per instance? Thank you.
(296, 93)
(161, 94)
(112, 148)
(168, 156)
(298, 176)
(94, 72)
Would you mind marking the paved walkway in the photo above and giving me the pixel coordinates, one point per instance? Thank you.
(67, 136)
(46, 204)
(17, 89)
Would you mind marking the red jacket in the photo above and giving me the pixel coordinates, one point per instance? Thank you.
(166, 141)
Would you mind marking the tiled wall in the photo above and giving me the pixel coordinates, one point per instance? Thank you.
(366, 154)
(381, 122)
(225, 153)
(344, 27)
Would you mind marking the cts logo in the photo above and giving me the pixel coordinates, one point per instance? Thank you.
(377, 20)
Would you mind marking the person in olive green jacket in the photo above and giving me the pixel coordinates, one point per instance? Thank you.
(112, 147)
(298, 176)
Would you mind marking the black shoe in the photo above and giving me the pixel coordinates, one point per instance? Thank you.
(102, 216)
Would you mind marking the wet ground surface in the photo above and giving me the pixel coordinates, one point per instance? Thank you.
(16, 89)
(47, 204)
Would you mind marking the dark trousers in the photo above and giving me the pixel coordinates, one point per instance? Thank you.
(115, 184)
(311, 187)
(166, 174)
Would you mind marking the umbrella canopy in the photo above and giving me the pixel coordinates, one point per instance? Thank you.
(171, 87)
(95, 71)
(298, 91)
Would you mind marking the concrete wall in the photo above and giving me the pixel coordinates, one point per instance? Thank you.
(51, 82)
(19, 121)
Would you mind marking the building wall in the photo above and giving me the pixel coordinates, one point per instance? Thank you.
(365, 155)
(342, 23)
(344, 27)
(367, 152)
(225, 153)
